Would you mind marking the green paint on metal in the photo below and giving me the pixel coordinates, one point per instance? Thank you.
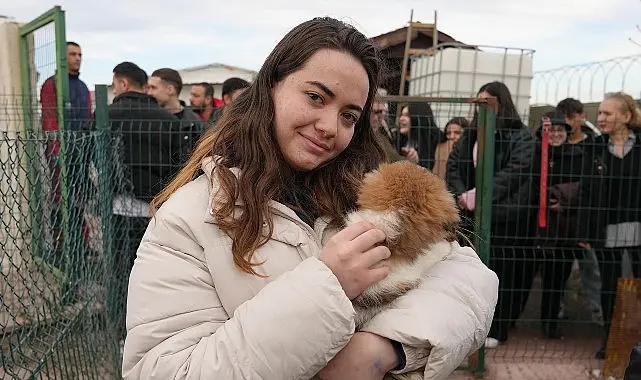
(62, 70)
(484, 188)
(40, 21)
(62, 109)
(25, 82)
(102, 109)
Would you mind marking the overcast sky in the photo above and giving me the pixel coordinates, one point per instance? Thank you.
(237, 32)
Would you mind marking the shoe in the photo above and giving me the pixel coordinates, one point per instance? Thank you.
(491, 342)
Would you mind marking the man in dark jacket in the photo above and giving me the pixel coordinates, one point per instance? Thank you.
(232, 88)
(201, 99)
(146, 141)
(165, 85)
(582, 136)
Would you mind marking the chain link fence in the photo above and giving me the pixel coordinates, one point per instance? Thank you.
(556, 300)
(54, 275)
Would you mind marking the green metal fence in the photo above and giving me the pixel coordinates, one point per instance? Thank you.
(53, 271)
(53, 286)
(63, 305)
(534, 203)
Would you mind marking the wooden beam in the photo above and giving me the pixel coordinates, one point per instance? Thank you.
(422, 26)
(429, 51)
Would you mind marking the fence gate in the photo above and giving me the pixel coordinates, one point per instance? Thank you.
(51, 250)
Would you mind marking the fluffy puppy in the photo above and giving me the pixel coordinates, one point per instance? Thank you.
(420, 219)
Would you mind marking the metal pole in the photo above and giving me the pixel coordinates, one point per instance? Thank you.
(484, 188)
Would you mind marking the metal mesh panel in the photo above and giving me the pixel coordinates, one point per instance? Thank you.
(54, 275)
(556, 296)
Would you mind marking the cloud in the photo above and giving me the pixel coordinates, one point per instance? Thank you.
(243, 32)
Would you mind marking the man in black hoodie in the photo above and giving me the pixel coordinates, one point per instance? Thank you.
(146, 145)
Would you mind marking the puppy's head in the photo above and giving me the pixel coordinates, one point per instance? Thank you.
(410, 204)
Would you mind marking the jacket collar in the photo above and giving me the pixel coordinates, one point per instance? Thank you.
(208, 164)
(135, 96)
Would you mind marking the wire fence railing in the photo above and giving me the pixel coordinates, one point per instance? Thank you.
(67, 250)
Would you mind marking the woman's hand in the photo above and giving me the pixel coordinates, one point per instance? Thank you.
(411, 154)
(467, 200)
(356, 257)
(367, 356)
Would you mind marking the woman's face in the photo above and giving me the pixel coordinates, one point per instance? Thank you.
(404, 120)
(485, 95)
(558, 135)
(611, 119)
(316, 108)
(453, 132)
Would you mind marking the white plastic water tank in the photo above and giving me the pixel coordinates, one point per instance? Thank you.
(457, 70)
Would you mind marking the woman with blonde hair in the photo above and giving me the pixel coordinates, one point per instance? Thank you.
(611, 215)
(244, 271)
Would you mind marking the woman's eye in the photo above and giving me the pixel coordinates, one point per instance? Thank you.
(315, 97)
(350, 117)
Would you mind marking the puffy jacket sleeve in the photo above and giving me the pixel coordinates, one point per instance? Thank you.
(177, 327)
(445, 319)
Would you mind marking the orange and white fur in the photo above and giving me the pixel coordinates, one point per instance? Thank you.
(420, 219)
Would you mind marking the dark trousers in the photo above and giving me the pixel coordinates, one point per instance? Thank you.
(610, 266)
(514, 263)
(556, 266)
(128, 233)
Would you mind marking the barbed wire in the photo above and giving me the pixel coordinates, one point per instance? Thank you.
(588, 82)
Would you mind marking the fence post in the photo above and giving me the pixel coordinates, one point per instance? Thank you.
(104, 166)
(484, 182)
(104, 163)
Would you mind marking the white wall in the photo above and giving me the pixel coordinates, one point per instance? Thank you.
(14, 208)
(458, 72)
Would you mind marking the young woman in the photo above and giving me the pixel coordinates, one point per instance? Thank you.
(512, 254)
(611, 218)
(418, 130)
(453, 132)
(231, 280)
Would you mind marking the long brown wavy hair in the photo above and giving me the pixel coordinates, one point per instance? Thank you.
(244, 138)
